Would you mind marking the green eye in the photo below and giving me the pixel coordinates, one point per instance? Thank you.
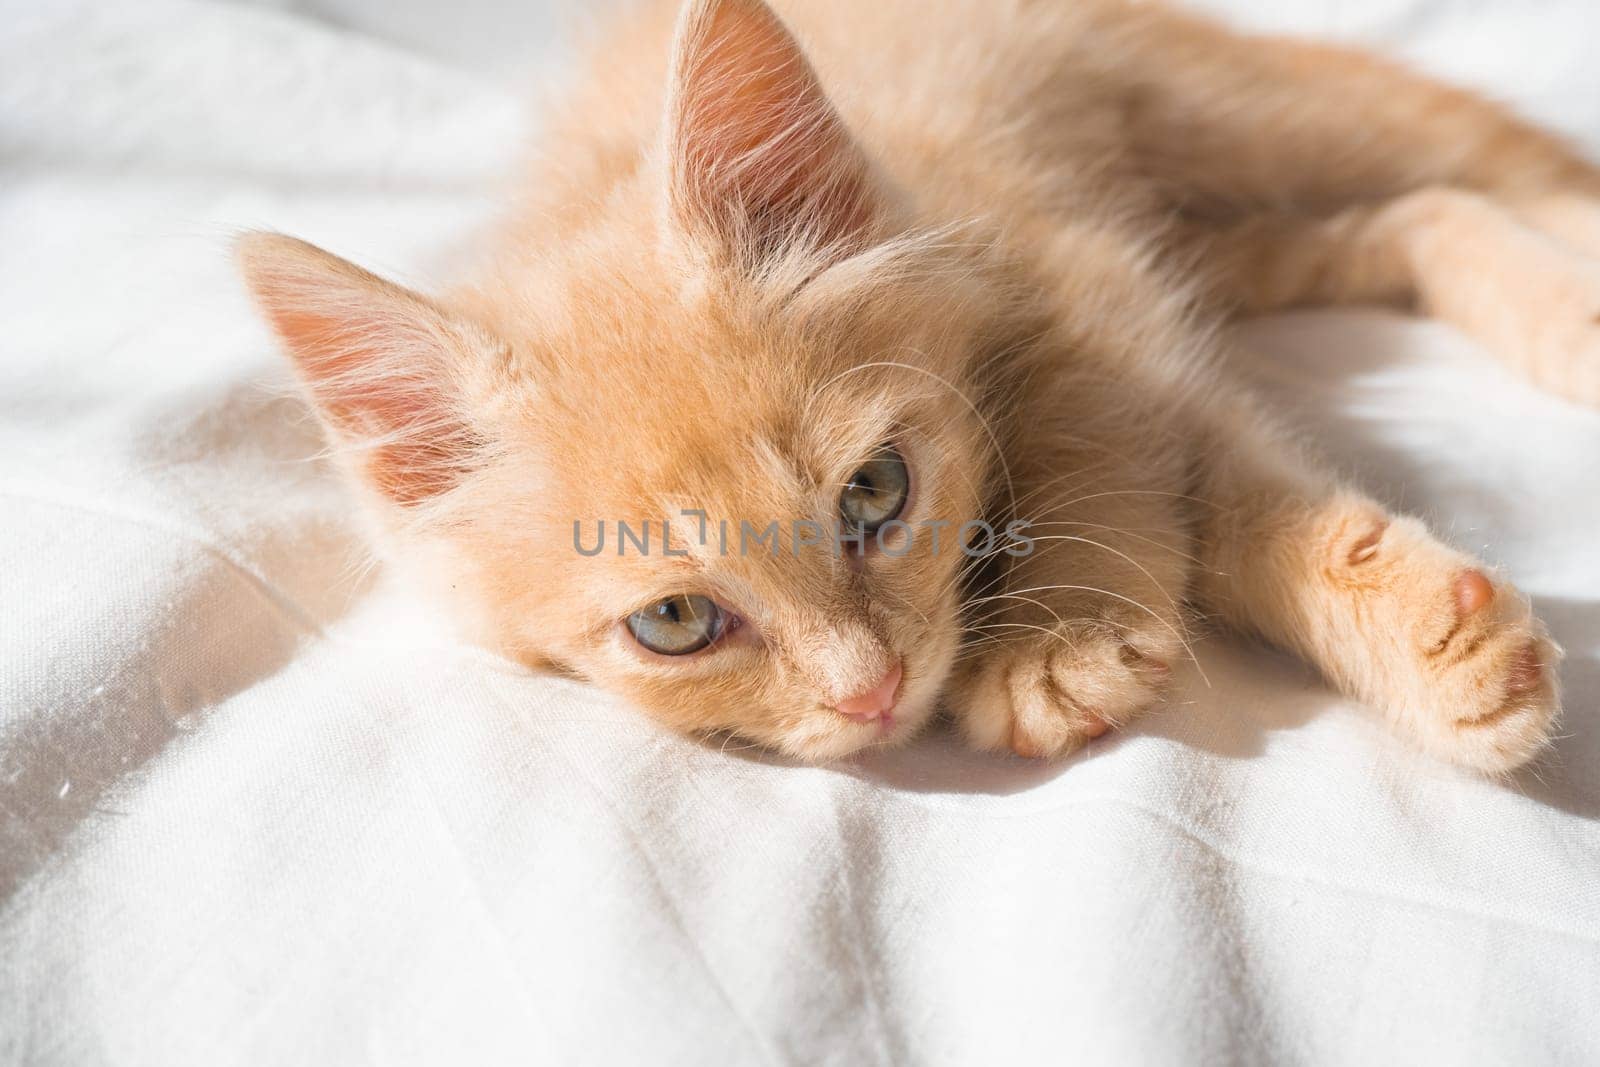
(677, 625)
(876, 493)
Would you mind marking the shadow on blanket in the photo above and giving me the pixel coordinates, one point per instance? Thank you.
(218, 591)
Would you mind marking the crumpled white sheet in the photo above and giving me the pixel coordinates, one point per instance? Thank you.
(256, 808)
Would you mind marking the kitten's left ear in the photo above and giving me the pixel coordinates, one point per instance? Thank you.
(759, 158)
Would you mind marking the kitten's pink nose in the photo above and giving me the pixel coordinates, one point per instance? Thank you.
(874, 703)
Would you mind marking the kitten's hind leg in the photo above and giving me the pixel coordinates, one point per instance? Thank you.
(1519, 279)
(1235, 123)
(1305, 173)
(1572, 220)
(1446, 649)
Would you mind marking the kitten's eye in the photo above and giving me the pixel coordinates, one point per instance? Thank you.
(677, 625)
(876, 493)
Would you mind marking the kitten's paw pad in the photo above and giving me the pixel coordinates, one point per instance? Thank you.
(1500, 708)
(1473, 592)
(1486, 686)
(1047, 695)
(1358, 543)
(1462, 619)
(1364, 548)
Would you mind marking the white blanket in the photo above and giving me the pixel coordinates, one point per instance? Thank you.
(255, 808)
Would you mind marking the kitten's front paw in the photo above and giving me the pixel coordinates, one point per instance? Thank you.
(1473, 670)
(1046, 694)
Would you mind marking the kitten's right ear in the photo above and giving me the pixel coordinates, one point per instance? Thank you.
(381, 363)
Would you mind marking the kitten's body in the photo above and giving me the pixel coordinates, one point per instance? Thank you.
(1001, 254)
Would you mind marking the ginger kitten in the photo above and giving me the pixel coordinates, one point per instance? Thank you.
(892, 329)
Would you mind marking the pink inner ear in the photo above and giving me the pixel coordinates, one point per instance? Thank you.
(417, 444)
(335, 356)
(759, 152)
(373, 357)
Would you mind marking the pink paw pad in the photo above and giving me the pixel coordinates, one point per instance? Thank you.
(1023, 745)
(1473, 592)
(1366, 548)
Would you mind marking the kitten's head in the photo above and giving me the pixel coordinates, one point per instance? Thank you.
(749, 340)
